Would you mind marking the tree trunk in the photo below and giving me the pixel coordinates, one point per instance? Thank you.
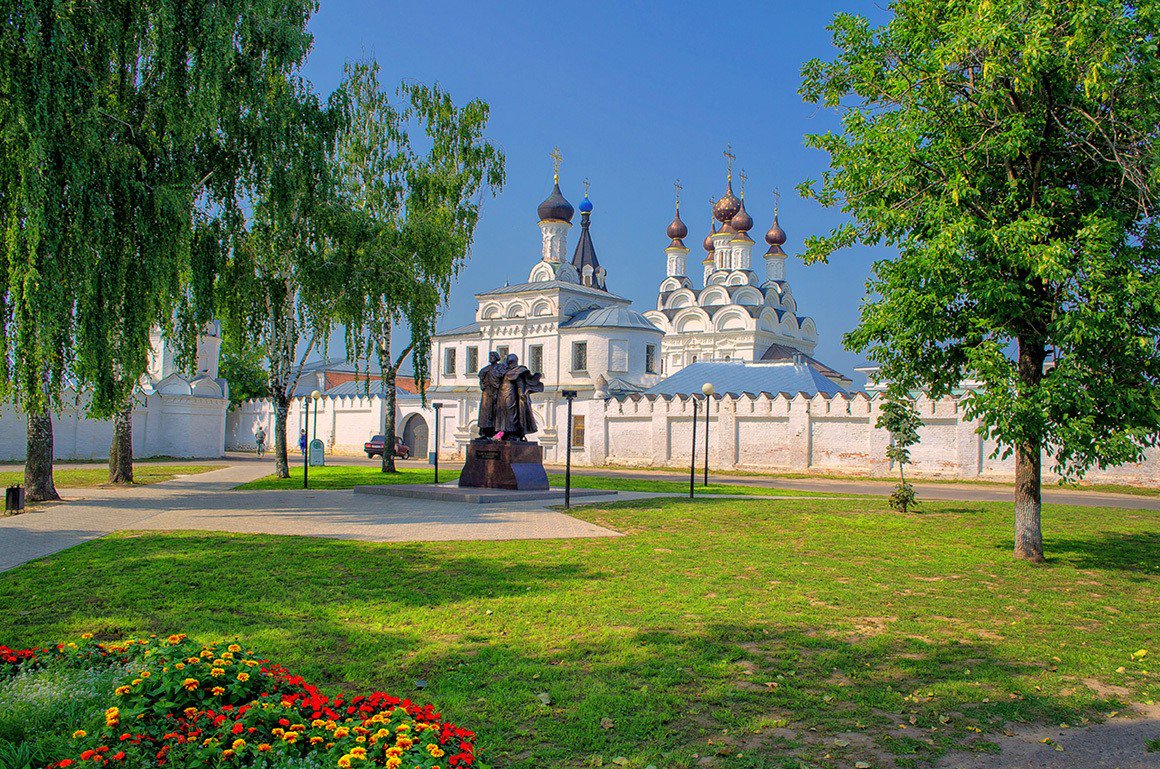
(281, 408)
(38, 483)
(1028, 461)
(389, 430)
(121, 450)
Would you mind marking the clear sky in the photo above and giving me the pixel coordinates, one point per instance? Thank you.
(636, 95)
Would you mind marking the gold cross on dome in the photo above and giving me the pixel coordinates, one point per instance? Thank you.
(776, 199)
(677, 188)
(585, 186)
(557, 159)
(729, 158)
(743, 180)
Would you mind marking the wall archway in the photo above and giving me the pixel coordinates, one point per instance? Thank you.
(415, 435)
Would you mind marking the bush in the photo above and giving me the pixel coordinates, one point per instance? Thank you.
(157, 702)
(903, 498)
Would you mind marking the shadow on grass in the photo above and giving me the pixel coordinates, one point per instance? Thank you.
(1135, 552)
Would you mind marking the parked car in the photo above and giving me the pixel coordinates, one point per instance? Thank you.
(374, 447)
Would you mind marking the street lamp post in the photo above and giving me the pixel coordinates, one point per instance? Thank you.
(693, 452)
(708, 390)
(569, 395)
(314, 396)
(437, 406)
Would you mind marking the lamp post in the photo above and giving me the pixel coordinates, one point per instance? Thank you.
(693, 452)
(708, 390)
(570, 395)
(437, 406)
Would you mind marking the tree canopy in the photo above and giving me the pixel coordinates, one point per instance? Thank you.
(1008, 150)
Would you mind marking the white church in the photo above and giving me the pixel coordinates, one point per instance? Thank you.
(734, 325)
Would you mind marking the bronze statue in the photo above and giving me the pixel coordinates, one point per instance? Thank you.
(513, 409)
(490, 379)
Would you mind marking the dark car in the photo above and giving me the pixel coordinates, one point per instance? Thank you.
(374, 447)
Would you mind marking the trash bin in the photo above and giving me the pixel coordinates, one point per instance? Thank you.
(14, 498)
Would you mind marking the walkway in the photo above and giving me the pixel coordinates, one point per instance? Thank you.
(208, 502)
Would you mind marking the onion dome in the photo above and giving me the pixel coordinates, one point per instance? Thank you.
(585, 205)
(707, 243)
(728, 206)
(775, 237)
(742, 221)
(677, 228)
(556, 207)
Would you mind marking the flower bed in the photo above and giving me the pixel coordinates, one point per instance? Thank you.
(188, 705)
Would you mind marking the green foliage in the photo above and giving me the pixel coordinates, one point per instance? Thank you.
(903, 498)
(1008, 150)
(244, 367)
(408, 214)
(114, 116)
(899, 417)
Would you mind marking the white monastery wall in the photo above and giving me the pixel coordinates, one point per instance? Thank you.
(163, 425)
(825, 435)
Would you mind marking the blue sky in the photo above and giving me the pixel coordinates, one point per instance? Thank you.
(636, 94)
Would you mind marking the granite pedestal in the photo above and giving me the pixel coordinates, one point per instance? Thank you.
(517, 465)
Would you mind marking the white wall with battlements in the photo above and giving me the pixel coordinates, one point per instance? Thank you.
(799, 434)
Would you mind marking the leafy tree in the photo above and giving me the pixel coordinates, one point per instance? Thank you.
(899, 417)
(244, 367)
(276, 283)
(112, 114)
(409, 216)
(1008, 150)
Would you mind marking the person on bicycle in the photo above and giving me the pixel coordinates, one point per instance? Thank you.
(260, 439)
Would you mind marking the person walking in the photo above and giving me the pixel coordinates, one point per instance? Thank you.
(302, 442)
(260, 439)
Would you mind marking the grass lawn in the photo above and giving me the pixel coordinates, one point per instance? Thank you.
(349, 476)
(143, 474)
(757, 633)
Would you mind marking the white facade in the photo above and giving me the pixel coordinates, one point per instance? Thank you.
(175, 414)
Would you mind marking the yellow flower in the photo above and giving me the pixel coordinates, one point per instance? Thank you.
(190, 712)
(80, 733)
(192, 660)
(434, 750)
(136, 682)
(359, 753)
(227, 753)
(176, 638)
(179, 666)
(394, 763)
(341, 732)
(217, 672)
(344, 762)
(145, 674)
(227, 655)
(121, 691)
(315, 740)
(318, 723)
(299, 727)
(217, 691)
(238, 744)
(243, 677)
(234, 648)
(207, 653)
(264, 747)
(190, 684)
(360, 738)
(404, 742)
(86, 636)
(290, 737)
(277, 731)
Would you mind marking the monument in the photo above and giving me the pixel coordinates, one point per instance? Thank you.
(502, 457)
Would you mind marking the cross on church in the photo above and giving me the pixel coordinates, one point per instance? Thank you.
(776, 199)
(585, 186)
(729, 158)
(677, 188)
(743, 180)
(557, 159)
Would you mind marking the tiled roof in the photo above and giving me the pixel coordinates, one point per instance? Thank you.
(737, 377)
(470, 328)
(781, 352)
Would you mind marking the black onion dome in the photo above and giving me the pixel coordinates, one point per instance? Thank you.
(776, 235)
(727, 207)
(556, 207)
(742, 221)
(677, 228)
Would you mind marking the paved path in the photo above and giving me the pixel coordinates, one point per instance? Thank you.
(207, 502)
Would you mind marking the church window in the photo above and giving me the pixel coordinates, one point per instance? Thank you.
(650, 358)
(579, 356)
(449, 362)
(618, 355)
(472, 359)
(536, 358)
(694, 359)
(577, 431)
(502, 351)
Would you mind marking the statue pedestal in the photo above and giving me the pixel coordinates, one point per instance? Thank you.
(504, 465)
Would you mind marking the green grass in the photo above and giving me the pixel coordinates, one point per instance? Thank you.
(87, 478)
(757, 632)
(349, 476)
